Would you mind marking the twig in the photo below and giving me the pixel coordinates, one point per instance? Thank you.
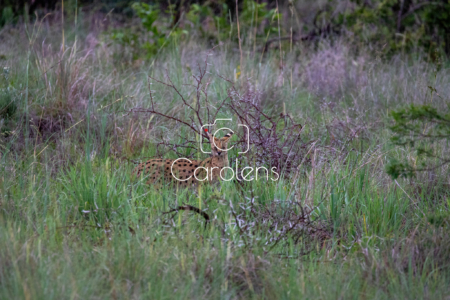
(191, 208)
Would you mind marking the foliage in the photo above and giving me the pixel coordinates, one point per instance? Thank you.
(397, 25)
(251, 16)
(391, 25)
(159, 28)
(419, 127)
(156, 34)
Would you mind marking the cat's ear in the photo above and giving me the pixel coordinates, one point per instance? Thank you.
(227, 137)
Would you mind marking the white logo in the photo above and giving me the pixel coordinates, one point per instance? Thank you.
(245, 172)
(215, 121)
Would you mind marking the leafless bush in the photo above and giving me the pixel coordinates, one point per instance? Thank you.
(270, 226)
(279, 222)
(202, 111)
(274, 137)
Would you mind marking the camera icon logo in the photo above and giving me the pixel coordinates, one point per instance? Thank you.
(205, 126)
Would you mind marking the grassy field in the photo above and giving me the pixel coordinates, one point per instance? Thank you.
(75, 224)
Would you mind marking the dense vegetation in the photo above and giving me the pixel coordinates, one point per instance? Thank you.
(355, 119)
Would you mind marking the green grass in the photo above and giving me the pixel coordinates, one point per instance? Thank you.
(75, 224)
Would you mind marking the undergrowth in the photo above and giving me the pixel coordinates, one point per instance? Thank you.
(74, 223)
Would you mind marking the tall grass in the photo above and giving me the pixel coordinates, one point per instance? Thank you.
(74, 223)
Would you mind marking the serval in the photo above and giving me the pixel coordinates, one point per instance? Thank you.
(187, 172)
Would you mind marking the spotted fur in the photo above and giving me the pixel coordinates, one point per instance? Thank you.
(161, 170)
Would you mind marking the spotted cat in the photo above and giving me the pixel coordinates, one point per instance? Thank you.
(189, 172)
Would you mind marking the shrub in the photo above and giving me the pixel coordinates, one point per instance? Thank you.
(399, 24)
(420, 127)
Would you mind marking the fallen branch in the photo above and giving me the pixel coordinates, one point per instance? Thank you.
(192, 208)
